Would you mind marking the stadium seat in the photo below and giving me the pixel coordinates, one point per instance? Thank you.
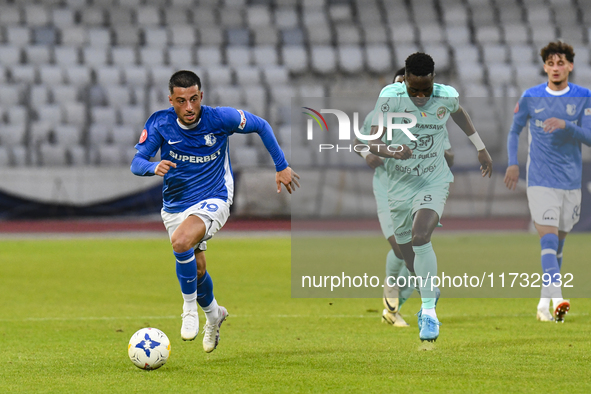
(77, 75)
(147, 15)
(13, 134)
(46, 35)
(62, 17)
(37, 54)
(52, 155)
(74, 36)
(75, 113)
(10, 15)
(323, 59)
(476, 90)
(264, 55)
(156, 37)
(440, 55)
(573, 34)
(238, 55)
(126, 35)
(19, 36)
(458, 35)
(67, 135)
(276, 75)
(282, 94)
(175, 16)
(469, 72)
(516, 34)
(499, 74)
(221, 75)
(10, 55)
(182, 35)
(265, 35)
(206, 16)
(256, 99)
(295, 58)
(374, 34)
(16, 114)
(368, 12)
(237, 37)
(539, 15)
(62, 94)
(181, 57)
(108, 75)
(243, 156)
(117, 95)
(76, 155)
(104, 115)
(378, 58)
(286, 17)
(93, 16)
(36, 15)
(125, 135)
(425, 13)
(66, 56)
(488, 35)
(4, 154)
(455, 15)
(23, 73)
(258, 15)
(154, 56)
(135, 75)
(231, 16)
(494, 53)
(209, 56)
(98, 133)
(348, 35)
(483, 15)
(109, 155)
(133, 115)
(403, 34)
(123, 56)
(530, 75)
(403, 51)
(350, 58)
(521, 54)
(294, 36)
(51, 75)
(510, 14)
(95, 57)
(247, 75)
(319, 35)
(99, 37)
(431, 34)
(40, 93)
(542, 35)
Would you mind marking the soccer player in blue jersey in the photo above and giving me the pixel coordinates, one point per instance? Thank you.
(198, 187)
(559, 115)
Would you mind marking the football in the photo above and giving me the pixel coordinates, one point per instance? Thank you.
(149, 348)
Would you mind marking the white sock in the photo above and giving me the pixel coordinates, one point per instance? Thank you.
(430, 312)
(190, 303)
(211, 311)
(544, 303)
(555, 293)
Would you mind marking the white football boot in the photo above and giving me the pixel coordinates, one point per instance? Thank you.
(544, 315)
(394, 319)
(211, 331)
(390, 299)
(190, 327)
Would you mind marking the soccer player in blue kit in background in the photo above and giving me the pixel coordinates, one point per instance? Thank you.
(559, 115)
(198, 187)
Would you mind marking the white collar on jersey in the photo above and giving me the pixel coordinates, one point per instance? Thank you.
(559, 92)
(182, 126)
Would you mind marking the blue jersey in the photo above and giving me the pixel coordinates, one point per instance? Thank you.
(554, 159)
(201, 153)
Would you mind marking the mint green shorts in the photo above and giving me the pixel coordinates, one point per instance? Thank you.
(402, 212)
(380, 192)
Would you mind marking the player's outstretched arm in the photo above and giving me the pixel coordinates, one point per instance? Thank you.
(371, 160)
(512, 176)
(289, 178)
(463, 120)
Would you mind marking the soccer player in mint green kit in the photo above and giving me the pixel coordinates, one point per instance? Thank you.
(394, 296)
(419, 177)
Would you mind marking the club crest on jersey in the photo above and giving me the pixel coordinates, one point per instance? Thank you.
(441, 111)
(571, 109)
(209, 139)
(143, 136)
(385, 107)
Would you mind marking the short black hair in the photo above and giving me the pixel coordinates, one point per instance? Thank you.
(183, 79)
(420, 64)
(399, 73)
(558, 48)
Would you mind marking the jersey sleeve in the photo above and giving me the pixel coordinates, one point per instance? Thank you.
(582, 133)
(520, 116)
(453, 99)
(150, 139)
(243, 122)
(366, 128)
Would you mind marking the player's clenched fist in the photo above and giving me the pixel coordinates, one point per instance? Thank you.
(163, 167)
(402, 152)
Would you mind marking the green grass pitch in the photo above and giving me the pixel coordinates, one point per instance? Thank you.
(69, 307)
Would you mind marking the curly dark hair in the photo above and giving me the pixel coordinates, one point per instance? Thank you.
(399, 73)
(183, 79)
(419, 64)
(558, 48)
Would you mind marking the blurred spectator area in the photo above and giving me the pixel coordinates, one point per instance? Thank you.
(78, 78)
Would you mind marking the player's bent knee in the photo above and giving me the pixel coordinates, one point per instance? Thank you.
(421, 239)
(181, 242)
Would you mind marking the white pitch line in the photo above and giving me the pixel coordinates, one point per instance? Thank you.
(372, 316)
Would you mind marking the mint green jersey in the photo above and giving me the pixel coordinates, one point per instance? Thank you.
(427, 164)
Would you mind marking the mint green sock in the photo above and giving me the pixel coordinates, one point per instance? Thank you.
(393, 264)
(426, 268)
